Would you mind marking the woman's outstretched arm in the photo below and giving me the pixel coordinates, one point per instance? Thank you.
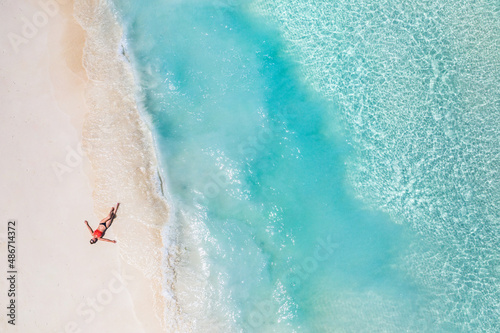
(107, 240)
(88, 226)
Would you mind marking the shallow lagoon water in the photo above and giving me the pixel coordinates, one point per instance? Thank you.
(328, 165)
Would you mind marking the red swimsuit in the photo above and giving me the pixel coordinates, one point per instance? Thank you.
(97, 233)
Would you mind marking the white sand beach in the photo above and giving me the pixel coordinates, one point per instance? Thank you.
(50, 184)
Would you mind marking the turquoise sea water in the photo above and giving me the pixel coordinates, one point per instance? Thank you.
(336, 162)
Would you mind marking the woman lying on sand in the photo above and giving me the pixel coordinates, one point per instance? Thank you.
(103, 226)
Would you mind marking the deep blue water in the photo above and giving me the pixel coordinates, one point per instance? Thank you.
(267, 131)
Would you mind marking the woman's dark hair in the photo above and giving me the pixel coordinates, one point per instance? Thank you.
(93, 241)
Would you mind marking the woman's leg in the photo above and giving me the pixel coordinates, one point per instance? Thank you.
(112, 216)
(108, 222)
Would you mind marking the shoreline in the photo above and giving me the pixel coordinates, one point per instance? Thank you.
(76, 144)
(135, 179)
(50, 186)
